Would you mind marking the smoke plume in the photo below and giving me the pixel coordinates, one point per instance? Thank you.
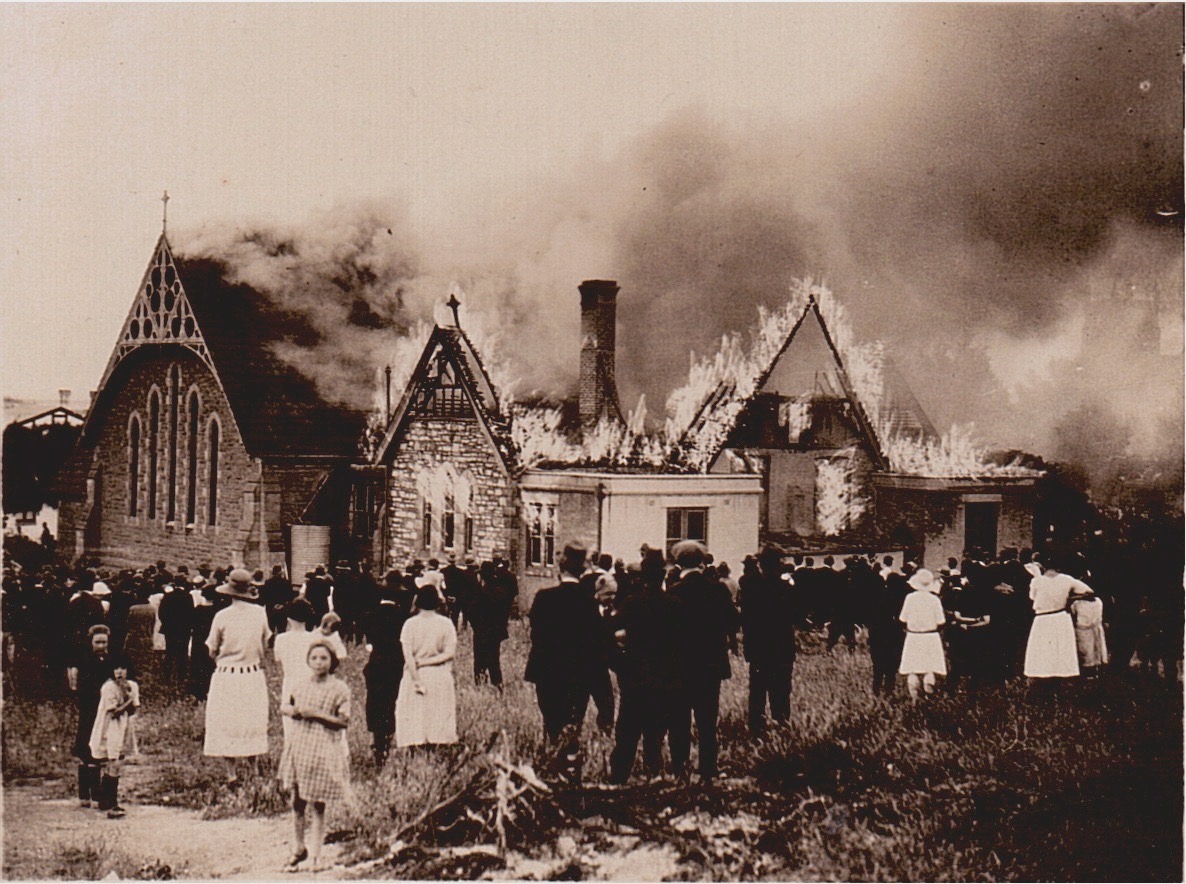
(1005, 213)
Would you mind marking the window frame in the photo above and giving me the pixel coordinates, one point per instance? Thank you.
(135, 435)
(193, 425)
(541, 533)
(682, 514)
(213, 459)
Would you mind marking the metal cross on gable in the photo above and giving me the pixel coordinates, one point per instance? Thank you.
(453, 304)
(165, 212)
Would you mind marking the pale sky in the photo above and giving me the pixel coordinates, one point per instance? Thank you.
(274, 112)
(914, 154)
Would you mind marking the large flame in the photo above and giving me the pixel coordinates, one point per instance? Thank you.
(703, 412)
(839, 504)
(954, 456)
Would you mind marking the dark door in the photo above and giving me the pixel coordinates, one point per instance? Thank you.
(980, 526)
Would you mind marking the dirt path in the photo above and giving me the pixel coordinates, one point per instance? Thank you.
(38, 823)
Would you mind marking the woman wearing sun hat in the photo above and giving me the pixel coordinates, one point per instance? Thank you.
(237, 704)
(922, 614)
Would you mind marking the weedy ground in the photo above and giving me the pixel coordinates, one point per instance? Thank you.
(1083, 783)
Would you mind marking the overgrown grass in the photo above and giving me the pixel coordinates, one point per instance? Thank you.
(1083, 784)
(92, 860)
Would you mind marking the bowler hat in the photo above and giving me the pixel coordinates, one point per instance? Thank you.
(689, 553)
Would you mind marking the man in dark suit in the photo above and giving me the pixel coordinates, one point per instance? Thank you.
(488, 609)
(647, 666)
(382, 627)
(454, 581)
(768, 626)
(567, 650)
(706, 625)
(318, 588)
(177, 616)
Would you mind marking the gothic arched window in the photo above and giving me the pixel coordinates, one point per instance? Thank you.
(174, 420)
(154, 443)
(134, 466)
(191, 471)
(212, 480)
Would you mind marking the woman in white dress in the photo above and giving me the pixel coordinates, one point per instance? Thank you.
(291, 650)
(237, 705)
(1050, 652)
(922, 615)
(426, 711)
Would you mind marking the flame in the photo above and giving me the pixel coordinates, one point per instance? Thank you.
(702, 413)
(538, 436)
(795, 415)
(731, 377)
(838, 503)
(953, 456)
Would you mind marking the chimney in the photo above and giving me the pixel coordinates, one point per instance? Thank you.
(599, 390)
(64, 398)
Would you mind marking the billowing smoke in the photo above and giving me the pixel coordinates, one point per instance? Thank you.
(1005, 212)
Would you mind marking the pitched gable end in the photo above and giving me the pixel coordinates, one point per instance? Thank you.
(819, 368)
(160, 314)
(450, 383)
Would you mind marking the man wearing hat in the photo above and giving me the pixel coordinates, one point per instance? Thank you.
(708, 623)
(567, 651)
(277, 592)
(488, 609)
(768, 616)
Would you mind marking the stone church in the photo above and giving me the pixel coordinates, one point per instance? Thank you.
(201, 445)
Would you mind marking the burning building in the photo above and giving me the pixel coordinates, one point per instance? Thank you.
(798, 440)
(470, 474)
(847, 457)
(200, 444)
(204, 443)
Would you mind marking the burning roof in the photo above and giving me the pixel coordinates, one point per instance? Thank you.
(703, 413)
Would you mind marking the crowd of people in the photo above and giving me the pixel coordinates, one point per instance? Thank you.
(649, 643)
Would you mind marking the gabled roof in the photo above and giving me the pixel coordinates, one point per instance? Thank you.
(233, 328)
(452, 344)
(58, 415)
(725, 406)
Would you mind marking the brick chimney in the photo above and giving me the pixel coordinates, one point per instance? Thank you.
(599, 390)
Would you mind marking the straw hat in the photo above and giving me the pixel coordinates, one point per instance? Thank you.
(238, 586)
(924, 580)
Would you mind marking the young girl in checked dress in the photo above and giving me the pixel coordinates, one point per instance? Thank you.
(312, 764)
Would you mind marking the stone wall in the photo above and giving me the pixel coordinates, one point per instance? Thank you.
(924, 523)
(120, 539)
(432, 447)
(1016, 528)
(935, 519)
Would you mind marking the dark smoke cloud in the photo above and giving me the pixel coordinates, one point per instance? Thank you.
(977, 211)
(974, 205)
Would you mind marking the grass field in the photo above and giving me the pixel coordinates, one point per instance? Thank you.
(1082, 785)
